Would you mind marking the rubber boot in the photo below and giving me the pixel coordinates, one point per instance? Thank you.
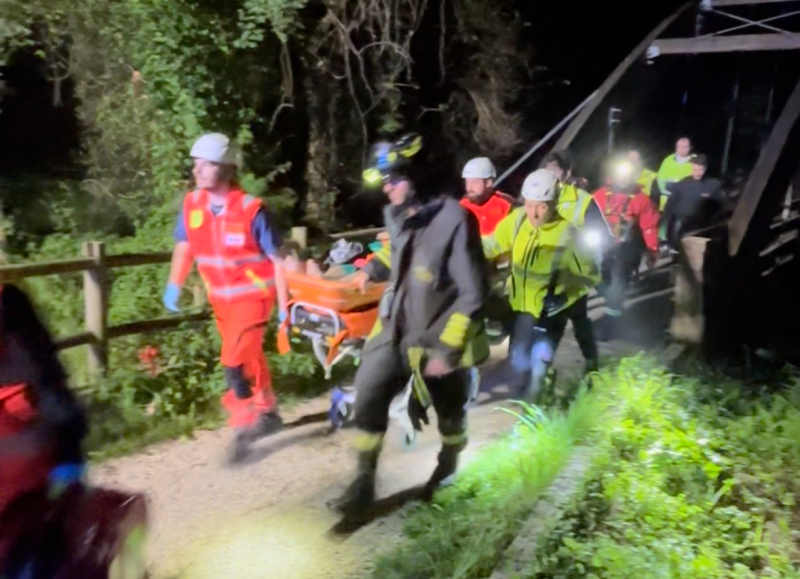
(267, 424)
(239, 448)
(360, 495)
(446, 468)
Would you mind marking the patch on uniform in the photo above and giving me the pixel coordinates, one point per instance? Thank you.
(423, 274)
(196, 219)
(234, 235)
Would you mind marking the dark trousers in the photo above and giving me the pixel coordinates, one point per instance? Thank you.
(527, 330)
(619, 267)
(384, 372)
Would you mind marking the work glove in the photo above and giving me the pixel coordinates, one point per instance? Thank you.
(417, 413)
(171, 297)
(64, 476)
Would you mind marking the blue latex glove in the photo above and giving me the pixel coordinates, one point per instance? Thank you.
(64, 476)
(281, 316)
(171, 297)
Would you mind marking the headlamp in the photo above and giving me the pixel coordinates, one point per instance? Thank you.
(623, 169)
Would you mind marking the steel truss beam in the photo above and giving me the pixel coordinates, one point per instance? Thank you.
(716, 44)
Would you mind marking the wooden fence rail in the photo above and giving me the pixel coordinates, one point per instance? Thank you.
(95, 266)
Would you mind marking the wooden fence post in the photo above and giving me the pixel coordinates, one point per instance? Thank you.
(300, 236)
(95, 295)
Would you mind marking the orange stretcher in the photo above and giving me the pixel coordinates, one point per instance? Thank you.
(332, 313)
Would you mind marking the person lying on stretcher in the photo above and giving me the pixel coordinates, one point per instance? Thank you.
(345, 259)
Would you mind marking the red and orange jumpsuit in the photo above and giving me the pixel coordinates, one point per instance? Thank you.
(233, 248)
(633, 220)
(496, 208)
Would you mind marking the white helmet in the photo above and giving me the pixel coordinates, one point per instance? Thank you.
(540, 186)
(217, 148)
(479, 168)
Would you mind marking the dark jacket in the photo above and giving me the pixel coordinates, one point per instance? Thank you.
(692, 206)
(438, 278)
(28, 355)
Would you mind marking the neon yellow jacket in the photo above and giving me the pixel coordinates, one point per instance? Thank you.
(646, 179)
(671, 172)
(572, 204)
(536, 253)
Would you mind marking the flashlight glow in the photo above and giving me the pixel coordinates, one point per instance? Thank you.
(623, 169)
(372, 177)
(592, 238)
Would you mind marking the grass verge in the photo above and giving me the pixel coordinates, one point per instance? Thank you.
(463, 533)
(699, 479)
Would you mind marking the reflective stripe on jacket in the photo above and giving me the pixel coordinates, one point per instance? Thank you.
(228, 258)
(537, 253)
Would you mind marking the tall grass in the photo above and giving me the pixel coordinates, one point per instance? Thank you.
(464, 532)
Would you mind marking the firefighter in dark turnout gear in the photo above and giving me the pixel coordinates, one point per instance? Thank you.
(430, 328)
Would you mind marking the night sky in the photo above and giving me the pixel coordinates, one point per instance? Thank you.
(577, 41)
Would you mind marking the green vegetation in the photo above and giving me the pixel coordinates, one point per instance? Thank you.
(303, 87)
(689, 478)
(464, 532)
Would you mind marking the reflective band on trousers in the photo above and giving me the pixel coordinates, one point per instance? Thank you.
(367, 441)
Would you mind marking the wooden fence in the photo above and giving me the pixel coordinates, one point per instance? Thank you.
(96, 265)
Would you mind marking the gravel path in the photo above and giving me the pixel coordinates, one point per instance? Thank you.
(268, 519)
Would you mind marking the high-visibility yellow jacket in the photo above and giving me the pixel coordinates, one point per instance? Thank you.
(573, 203)
(646, 180)
(540, 256)
(671, 171)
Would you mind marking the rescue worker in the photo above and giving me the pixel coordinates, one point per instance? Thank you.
(578, 207)
(674, 168)
(643, 176)
(430, 326)
(490, 207)
(551, 279)
(237, 250)
(633, 221)
(42, 426)
(693, 202)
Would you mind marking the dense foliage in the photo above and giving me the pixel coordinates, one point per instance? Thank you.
(688, 478)
(302, 85)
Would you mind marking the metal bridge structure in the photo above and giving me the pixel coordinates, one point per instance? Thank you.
(739, 283)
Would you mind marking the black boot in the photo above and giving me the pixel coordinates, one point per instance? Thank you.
(360, 495)
(239, 448)
(448, 463)
(267, 424)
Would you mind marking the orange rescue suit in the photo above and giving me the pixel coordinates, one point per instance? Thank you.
(491, 213)
(240, 283)
(626, 208)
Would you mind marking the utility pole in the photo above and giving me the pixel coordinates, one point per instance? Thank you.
(613, 119)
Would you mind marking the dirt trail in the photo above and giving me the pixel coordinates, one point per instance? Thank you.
(268, 518)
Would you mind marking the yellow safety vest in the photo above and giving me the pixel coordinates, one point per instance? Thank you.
(573, 203)
(645, 180)
(536, 254)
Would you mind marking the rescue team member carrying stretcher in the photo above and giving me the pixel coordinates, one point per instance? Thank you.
(578, 207)
(430, 327)
(551, 277)
(228, 234)
(633, 220)
(42, 427)
(490, 207)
